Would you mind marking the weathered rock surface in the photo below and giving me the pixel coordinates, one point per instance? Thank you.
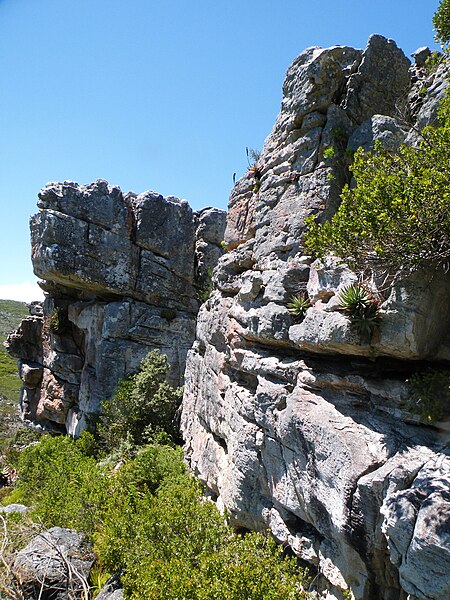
(112, 590)
(122, 275)
(304, 427)
(55, 565)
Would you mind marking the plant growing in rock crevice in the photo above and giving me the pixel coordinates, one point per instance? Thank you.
(253, 167)
(298, 305)
(430, 397)
(361, 307)
(56, 321)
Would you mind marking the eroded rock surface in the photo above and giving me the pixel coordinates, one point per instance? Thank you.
(122, 275)
(302, 426)
(55, 565)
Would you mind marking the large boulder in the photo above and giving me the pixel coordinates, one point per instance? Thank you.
(55, 565)
(123, 275)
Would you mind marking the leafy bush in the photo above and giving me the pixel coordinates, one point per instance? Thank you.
(182, 548)
(441, 22)
(398, 215)
(143, 407)
(148, 518)
(65, 484)
(430, 395)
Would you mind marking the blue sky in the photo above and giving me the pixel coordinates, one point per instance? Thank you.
(155, 95)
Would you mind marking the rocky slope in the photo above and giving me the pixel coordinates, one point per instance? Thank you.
(122, 275)
(301, 427)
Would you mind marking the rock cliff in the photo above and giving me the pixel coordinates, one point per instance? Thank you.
(301, 427)
(122, 275)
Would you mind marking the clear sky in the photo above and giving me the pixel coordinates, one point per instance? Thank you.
(155, 95)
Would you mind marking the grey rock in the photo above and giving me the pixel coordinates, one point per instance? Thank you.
(36, 308)
(112, 590)
(211, 223)
(121, 275)
(98, 203)
(301, 426)
(385, 129)
(14, 508)
(416, 526)
(436, 89)
(26, 342)
(381, 82)
(45, 567)
(420, 55)
(163, 224)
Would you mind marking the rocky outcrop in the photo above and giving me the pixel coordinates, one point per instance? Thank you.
(55, 565)
(122, 275)
(305, 427)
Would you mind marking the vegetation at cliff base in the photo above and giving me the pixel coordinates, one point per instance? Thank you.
(145, 515)
(149, 520)
(11, 314)
(144, 406)
(398, 214)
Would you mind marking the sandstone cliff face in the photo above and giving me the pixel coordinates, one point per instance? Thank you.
(122, 274)
(301, 427)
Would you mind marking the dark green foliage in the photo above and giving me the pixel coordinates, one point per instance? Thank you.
(329, 152)
(362, 308)
(441, 22)
(432, 62)
(298, 305)
(398, 215)
(57, 320)
(253, 157)
(430, 395)
(182, 548)
(64, 483)
(143, 407)
(149, 520)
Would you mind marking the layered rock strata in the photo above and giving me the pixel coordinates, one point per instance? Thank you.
(304, 427)
(122, 275)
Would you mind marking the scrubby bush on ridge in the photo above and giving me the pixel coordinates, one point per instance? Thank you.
(397, 217)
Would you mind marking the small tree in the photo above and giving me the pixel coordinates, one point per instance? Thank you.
(398, 215)
(441, 22)
(144, 406)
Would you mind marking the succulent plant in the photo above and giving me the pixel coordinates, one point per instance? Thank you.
(361, 307)
(298, 305)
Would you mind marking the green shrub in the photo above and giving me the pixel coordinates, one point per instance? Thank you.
(184, 549)
(432, 62)
(430, 397)
(441, 22)
(63, 483)
(398, 214)
(149, 519)
(329, 152)
(143, 407)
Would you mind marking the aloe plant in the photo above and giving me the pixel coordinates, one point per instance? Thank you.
(298, 305)
(361, 307)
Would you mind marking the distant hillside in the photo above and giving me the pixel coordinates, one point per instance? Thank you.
(11, 314)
